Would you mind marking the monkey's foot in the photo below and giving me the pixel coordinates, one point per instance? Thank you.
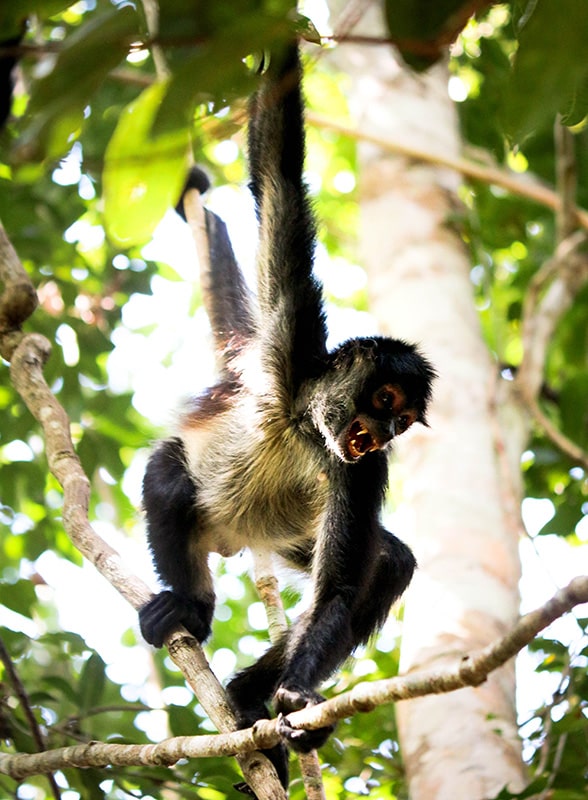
(294, 699)
(167, 610)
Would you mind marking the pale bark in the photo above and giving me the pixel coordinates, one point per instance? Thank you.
(472, 670)
(28, 354)
(461, 523)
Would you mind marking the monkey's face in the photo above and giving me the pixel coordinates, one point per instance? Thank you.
(387, 414)
(372, 391)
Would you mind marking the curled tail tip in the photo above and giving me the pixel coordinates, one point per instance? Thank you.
(197, 179)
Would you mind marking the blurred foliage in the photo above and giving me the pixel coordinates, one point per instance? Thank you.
(93, 146)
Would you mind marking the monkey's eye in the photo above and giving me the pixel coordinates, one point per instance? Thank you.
(404, 421)
(387, 398)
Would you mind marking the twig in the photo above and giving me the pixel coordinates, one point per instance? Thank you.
(26, 368)
(550, 293)
(196, 219)
(566, 180)
(532, 189)
(268, 589)
(559, 751)
(472, 670)
(25, 703)
(563, 442)
(151, 8)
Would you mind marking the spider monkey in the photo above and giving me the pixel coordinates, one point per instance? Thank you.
(288, 450)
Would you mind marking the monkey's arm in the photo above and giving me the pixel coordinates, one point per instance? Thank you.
(169, 499)
(289, 295)
(360, 570)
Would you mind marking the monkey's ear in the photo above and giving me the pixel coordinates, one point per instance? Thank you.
(197, 179)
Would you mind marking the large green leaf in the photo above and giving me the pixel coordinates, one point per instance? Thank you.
(143, 173)
(550, 68)
(421, 28)
(56, 109)
(214, 72)
(12, 15)
(19, 596)
(92, 682)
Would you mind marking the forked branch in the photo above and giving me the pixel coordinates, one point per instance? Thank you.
(28, 354)
(472, 670)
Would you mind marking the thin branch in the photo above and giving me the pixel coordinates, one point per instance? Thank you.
(151, 8)
(527, 187)
(564, 275)
(26, 368)
(471, 670)
(561, 746)
(550, 293)
(431, 48)
(563, 442)
(566, 180)
(196, 219)
(21, 693)
(268, 589)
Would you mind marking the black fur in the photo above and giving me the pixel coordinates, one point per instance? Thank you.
(288, 451)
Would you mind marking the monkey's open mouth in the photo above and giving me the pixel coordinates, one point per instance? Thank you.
(359, 440)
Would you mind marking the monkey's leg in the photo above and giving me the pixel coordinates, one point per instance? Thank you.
(392, 572)
(169, 498)
(250, 690)
(346, 611)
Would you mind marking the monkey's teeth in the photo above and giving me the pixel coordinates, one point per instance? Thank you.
(360, 440)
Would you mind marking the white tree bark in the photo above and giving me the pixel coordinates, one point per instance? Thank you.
(459, 515)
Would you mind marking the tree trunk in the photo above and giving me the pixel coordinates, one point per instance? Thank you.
(457, 511)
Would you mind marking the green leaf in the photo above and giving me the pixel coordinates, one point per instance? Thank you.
(143, 174)
(182, 720)
(550, 69)
(573, 408)
(419, 19)
(61, 687)
(12, 15)
(56, 109)
(214, 73)
(416, 25)
(19, 597)
(563, 522)
(92, 681)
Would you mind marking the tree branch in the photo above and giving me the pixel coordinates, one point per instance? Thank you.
(472, 670)
(29, 354)
(522, 186)
(550, 294)
(25, 703)
(267, 587)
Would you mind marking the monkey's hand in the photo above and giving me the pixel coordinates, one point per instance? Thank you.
(295, 698)
(167, 610)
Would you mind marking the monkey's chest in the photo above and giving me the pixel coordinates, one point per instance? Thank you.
(272, 496)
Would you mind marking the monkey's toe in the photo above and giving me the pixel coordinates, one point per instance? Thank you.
(301, 740)
(295, 698)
